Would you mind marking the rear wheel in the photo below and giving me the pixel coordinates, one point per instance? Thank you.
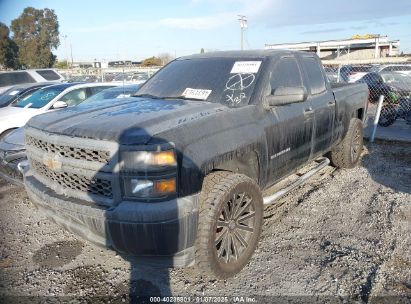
(230, 220)
(347, 153)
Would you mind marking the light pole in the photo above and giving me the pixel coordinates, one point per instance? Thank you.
(65, 47)
(243, 26)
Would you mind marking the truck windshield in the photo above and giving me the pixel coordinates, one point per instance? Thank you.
(40, 98)
(229, 81)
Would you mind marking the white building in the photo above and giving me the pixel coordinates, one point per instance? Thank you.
(357, 47)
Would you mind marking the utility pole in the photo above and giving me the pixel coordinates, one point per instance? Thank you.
(71, 54)
(243, 26)
(65, 47)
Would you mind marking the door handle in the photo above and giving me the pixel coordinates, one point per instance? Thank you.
(331, 103)
(308, 110)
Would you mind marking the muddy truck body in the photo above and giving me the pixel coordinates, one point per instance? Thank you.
(175, 174)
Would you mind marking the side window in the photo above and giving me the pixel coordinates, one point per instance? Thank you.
(74, 97)
(286, 74)
(95, 90)
(314, 74)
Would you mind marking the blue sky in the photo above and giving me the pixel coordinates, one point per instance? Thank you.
(125, 29)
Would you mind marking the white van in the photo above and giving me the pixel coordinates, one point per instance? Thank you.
(11, 78)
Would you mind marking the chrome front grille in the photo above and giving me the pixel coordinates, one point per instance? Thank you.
(81, 168)
(75, 182)
(69, 152)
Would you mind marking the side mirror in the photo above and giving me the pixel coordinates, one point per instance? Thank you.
(59, 105)
(286, 95)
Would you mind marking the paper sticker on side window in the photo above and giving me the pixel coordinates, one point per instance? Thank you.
(245, 67)
(13, 93)
(196, 93)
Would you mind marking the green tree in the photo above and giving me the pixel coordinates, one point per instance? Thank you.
(152, 61)
(202, 51)
(60, 64)
(36, 33)
(8, 49)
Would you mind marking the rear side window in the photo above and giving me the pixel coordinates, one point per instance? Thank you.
(314, 75)
(94, 90)
(74, 97)
(286, 74)
(48, 74)
(13, 78)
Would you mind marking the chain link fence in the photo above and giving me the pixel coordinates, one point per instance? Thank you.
(136, 75)
(390, 80)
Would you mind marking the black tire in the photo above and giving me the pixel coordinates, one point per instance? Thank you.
(388, 116)
(347, 153)
(230, 220)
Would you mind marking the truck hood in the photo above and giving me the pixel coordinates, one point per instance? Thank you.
(129, 121)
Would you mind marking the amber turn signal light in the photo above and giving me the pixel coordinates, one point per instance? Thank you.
(165, 186)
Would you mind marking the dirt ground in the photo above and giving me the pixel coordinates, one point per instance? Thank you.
(343, 237)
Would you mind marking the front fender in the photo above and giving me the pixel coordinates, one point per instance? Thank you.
(241, 149)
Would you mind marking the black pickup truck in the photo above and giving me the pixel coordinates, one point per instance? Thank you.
(175, 174)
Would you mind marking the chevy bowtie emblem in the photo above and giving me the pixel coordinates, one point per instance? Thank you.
(52, 162)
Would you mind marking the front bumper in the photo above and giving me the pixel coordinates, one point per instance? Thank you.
(160, 233)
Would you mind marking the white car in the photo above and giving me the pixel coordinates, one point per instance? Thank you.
(398, 68)
(11, 78)
(49, 98)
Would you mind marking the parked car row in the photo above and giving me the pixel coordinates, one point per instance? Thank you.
(20, 103)
(392, 85)
(353, 73)
(126, 77)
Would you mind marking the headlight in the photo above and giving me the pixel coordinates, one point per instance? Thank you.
(144, 188)
(148, 174)
(144, 160)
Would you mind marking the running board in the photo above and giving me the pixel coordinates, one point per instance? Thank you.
(322, 162)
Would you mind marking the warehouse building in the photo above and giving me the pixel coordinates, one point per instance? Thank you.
(356, 47)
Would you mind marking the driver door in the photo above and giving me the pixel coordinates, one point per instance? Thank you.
(289, 135)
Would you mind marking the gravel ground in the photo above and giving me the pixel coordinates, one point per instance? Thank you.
(342, 237)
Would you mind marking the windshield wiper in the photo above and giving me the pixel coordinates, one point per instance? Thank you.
(146, 96)
(182, 97)
(165, 97)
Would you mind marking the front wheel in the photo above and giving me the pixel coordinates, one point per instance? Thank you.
(230, 220)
